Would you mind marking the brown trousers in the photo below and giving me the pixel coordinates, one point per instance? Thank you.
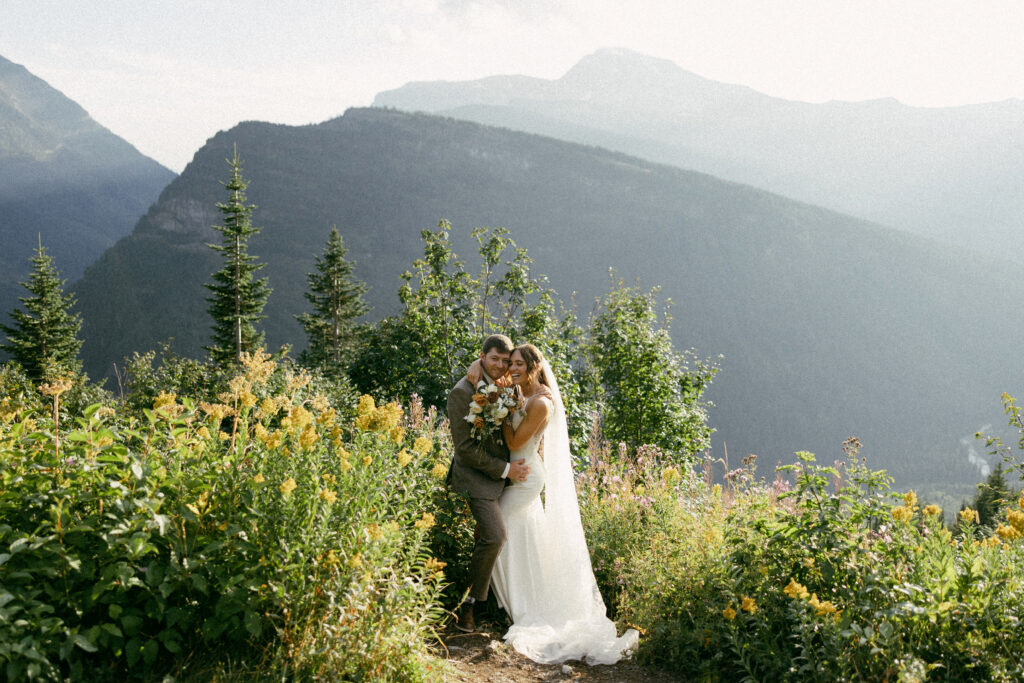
(489, 537)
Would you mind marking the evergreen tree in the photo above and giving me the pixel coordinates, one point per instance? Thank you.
(337, 300)
(238, 297)
(44, 338)
(993, 497)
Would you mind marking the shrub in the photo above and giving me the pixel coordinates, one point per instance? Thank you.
(263, 529)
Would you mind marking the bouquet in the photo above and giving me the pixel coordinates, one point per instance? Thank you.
(488, 408)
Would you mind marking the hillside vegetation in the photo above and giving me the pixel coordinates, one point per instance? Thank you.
(829, 327)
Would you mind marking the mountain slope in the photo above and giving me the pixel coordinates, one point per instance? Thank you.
(950, 173)
(64, 179)
(830, 326)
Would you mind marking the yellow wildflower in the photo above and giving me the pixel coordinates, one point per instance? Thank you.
(276, 439)
(670, 475)
(795, 590)
(343, 454)
(404, 458)
(258, 366)
(423, 445)
(366, 405)
(748, 604)
(932, 510)
(397, 434)
(969, 516)
(729, 613)
(822, 607)
(331, 559)
(239, 385)
(328, 496)
(327, 416)
(288, 486)
(319, 403)
(433, 567)
(329, 478)
(217, 411)
(268, 408)
(261, 433)
(345, 465)
(1020, 501)
(363, 422)
(56, 387)
(295, 382)
(910, 499)
(203, 432)
(308, 436)
(440, 471)
(165, 398)
(247, 399)
(902, 514)
(356, 560)
(300, 418)
(386, 417)
(424, 522)
(991, 542)
(259, 479)
(223, 436)
(374, 532)
(1016, 519)
(367, 460)
(1008, 533)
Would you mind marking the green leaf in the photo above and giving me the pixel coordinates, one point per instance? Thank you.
(81, 641)
(112, 629)
(150, 650)
(253, 623)
(131, 624)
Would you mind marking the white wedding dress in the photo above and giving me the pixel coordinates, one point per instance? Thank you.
(543, 577)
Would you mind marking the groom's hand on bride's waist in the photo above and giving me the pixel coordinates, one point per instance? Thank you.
(518, 470)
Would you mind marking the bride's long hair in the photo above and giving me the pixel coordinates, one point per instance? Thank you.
(534, 360)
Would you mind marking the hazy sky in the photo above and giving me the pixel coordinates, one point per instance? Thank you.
(168, 75)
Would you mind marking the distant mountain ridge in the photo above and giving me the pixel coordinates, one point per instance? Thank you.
(950, 173)
(830, 326)
(64, 179)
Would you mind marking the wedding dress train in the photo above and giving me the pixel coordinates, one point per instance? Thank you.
(543, 577)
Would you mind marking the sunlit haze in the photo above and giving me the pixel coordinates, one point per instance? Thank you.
(166, 76)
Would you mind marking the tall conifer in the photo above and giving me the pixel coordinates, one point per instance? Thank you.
(44, 338)
(238, 297)
(337, 300)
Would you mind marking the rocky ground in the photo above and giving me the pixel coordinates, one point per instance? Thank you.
(484, 657)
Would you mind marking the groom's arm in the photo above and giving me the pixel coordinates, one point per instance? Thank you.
(468, 451)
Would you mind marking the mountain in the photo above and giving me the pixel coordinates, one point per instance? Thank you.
(830, 326)
(64, 179)
(951, 173)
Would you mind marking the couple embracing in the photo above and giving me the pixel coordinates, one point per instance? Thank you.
(531, 550)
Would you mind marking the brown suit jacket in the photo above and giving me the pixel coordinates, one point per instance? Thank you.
(476, 468)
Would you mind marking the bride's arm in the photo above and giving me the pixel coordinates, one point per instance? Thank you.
(537, 412)
(474, 374)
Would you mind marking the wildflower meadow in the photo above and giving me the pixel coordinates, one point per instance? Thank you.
(281, 528)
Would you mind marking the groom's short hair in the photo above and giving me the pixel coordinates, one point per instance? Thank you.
(499, 342)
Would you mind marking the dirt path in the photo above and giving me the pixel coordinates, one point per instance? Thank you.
(484, 657)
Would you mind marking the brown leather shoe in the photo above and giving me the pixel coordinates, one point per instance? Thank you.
(464, 620)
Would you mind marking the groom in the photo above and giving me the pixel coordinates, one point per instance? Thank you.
(481, 471)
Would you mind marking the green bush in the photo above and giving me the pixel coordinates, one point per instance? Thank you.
(830, 577)
(264, 531)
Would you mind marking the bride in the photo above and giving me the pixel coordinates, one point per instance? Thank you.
(543, 577)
